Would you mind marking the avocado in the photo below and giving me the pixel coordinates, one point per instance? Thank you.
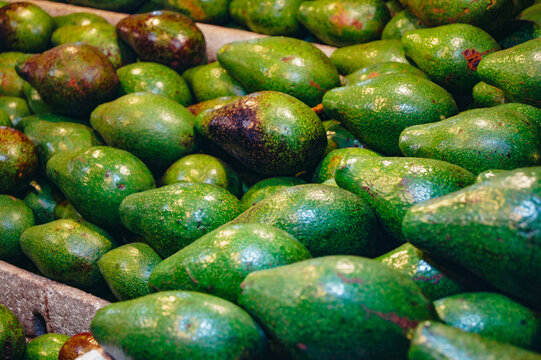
(4, 119)
(213, 104)
(16, 218)
(164, 37)
(42, 199)
(490, 228)
(486, 95)
(342, 307)
(381, 108)
(331, 162)
(18, 160)
(379, 69)
(16, 108)
(99, 178)
(212, 81)
(289, 65)
(12, 339)
(218, 262)
(11, 83)
(530, 111)
(78, 345)
(178, 325)
(49, 117)
(208, 11)
(45, 347)
(153, 127)
(267, 188)
(35, 101)
(489, 174)
(267, 17)
(11, 58)
(127, 269)
(78, 18)
(450, 54)
(155, 78)
(269, 132)
(400, 24)
(477, 140)
(339, 137)
(65, 210)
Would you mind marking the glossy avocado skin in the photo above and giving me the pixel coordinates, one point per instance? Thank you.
(435, 341)
(99, 178)
(301, 305)
(212, 81)
(18, 159)
(492, 315)
(63, 78)
(78, 18)
(67, 251)
(209, 11)
(4, 119)
(178, 325)
(213, 104)
(219, 261)
(289, 65)
(115, 5)
(481, 139)
(11, 83)
(489, 174)
(530, 111)
(11, 336)
(15, 217)
(267, 17)
(269, 132)
(127, 269)
(35, 101)
(380, 69)
(392, 185)
(16, 108)
(45, 347)
(339, 137)
(164, 37)
(480, 228)
(400, 24)
(24, 27)
(331, 162)
(173, 216)
(403, 100)
(266, 188)
(42, 199)
(344, 22)
(78, 345)
(312, 213)
(450, 54)
(155, 78)
(517, 71)
(486, 95)
(154, 128)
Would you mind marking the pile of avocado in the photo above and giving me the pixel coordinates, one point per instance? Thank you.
(380, 203)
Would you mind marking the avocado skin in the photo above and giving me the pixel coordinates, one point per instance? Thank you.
(11, 83)
(312, 213)
(35, 101)
(164, 37)
(219, 261)
(336, 307)
(16, 108)
(208, 11)
(435, 341)
(11, 336)
(269, 132)
(288, 65)
(530, 111)
(67, 251)
(481, 228)
(517, 71)
(400, 24)
(42, 199)
(477, 140)
(99, 178)
(492, 315)
(379, 69)
(486, 95)
(331, 162)
(4, 119)
(173, 216)
(45, 347)
(178, 325)
(78, 18)
(212, 81)
(210, 105)
(115, 5)
(403, 100)
(16, 218)
(339, 137)
(18, 160)
(489, 174)
(266, 188)
(267, 16)
(127, 268)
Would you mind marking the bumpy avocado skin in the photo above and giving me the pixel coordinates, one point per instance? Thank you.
(313, 213)
(269, 132)
(212, 81)
(486, 95)
(288, 65)
(173, 216)
(266, 188)
(11, 83)
(481, 228)
(492, 315)
(331, 162)
(45, 347)
(18, 160)
(210, 105)
(42, 199)
(16, 108)
(178, 325)
(400, 24)
(435, 341)
(219, 261)
(339, 137)
(345, 307)
(517, 71)
(78, 18)
(4, 119)
(401, 101)
(530, 111)
(267, 16)
(15, 217)
(209, 11)
(450, 54)
(35, 101)
(99, 177)
(392, 185)
(499, 137)
(380, 69)
(11, 336)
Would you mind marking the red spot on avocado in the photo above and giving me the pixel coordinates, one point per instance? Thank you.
(302, 346)
(403, 322)
(342, 19)
(434, 279)
(316, 85)
(288, 58)
(350, 280)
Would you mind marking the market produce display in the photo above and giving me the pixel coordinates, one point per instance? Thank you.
(379, 202)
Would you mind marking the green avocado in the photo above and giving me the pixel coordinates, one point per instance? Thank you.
(210, 105)
(491, 228)
(35, 101)
(127, 269)
(530, 111)
(354, 57)
(267, 188)
(67, 251)
(208, 11)
(269, 132)
(12, 339)
(45, 347)
(25, 27)
(379, 69)
(481, 139)
(267, 16)
(377, 110)
(65, 210)
(18, 160)
(517, 71)
(11, 58)
(78, 18)
(489, 174)
(155, 78)
(492, 315)
(173, 216)
(155, 128)
(532, 13)
(212, 81)
(292, 66)
(15, 217)
(42, 199)
(16, 108)
(99, 177)
(312, 213)
(435, 341)
(339, 137)
(393, 185)
(178, 325)
(114, 5)
(341, 307)
(11, 83)
(219, 261)
(331, 162)
(400, 24)
(49, 117)
(4, 119)
(486, 95)
(450, 54)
